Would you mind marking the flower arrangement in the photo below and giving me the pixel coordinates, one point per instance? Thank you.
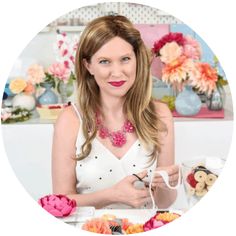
(58, 205)
(110, 224)
(181, 56)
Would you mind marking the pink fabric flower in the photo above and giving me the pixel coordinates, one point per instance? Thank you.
(58, 205)
(152, 224)
(192, 48)
(59, 71)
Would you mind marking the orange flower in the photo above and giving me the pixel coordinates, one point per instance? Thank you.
(97, 226)
(29, 89)
(133, 229)
(206, 82)
(167, 216)
(125, 223)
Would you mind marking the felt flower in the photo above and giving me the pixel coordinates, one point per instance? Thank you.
(170, 52)
(181, 56)
(35, 74)
(29, 89)
(60, 71)
(133, 229)
(168, 38)
(180, 70)
(17, 85)
(192, 48)
(207, 80)
(97, 225)
(152, 224)
(58, 205)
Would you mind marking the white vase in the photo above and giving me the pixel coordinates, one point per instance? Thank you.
(24, 101)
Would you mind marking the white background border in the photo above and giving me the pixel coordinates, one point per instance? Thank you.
(214, 21)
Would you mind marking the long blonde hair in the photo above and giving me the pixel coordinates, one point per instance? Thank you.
(139, 105)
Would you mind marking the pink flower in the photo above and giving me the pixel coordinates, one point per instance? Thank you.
(58, 205)
(192, 48)
(152, 224)
(35, 74)
(59, 71)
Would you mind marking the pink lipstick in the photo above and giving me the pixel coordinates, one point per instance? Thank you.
(117, 83)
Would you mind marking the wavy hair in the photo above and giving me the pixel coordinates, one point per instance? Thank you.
(138, 105)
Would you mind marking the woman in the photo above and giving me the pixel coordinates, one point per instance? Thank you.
(116, 129)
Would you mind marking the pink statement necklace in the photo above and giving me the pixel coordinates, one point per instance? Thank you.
(118, 138)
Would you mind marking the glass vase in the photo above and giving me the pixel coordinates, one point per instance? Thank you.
(65, 90)
(216, 100)
(187, 102)
(48, 96)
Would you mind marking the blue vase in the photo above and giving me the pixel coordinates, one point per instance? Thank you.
(188, 103)
(48, 96)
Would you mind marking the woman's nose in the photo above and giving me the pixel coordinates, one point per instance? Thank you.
(116, 70)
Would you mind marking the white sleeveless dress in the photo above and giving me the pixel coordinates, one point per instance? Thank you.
(102, 169)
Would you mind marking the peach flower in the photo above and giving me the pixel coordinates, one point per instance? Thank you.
(133, 229)
(29, 89)
(97, 225)
(35, 74)
(170, 52)
(179, 71)
(17, 85)
(206, 82)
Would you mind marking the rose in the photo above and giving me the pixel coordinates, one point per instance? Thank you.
(58, 205)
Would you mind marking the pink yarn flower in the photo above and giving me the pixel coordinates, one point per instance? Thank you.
(58, 205)
(152, 224)
(60, 71)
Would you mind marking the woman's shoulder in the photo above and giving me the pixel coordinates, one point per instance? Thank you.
(162, 109)
(67, 120)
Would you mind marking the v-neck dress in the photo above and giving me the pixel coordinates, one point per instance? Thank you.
(101, 169)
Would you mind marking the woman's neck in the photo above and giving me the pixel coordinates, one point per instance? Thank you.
(112, 107)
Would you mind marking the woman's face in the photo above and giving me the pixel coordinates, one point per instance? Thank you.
(114, 67)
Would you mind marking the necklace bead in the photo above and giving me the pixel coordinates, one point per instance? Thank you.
(118, 138)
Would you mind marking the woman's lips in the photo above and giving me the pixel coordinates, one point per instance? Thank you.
(116, 83)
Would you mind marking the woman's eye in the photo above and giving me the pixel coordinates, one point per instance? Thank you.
(103, 62)
(125, 59)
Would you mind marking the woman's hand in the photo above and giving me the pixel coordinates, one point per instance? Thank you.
(125, 191)
(173, 173)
